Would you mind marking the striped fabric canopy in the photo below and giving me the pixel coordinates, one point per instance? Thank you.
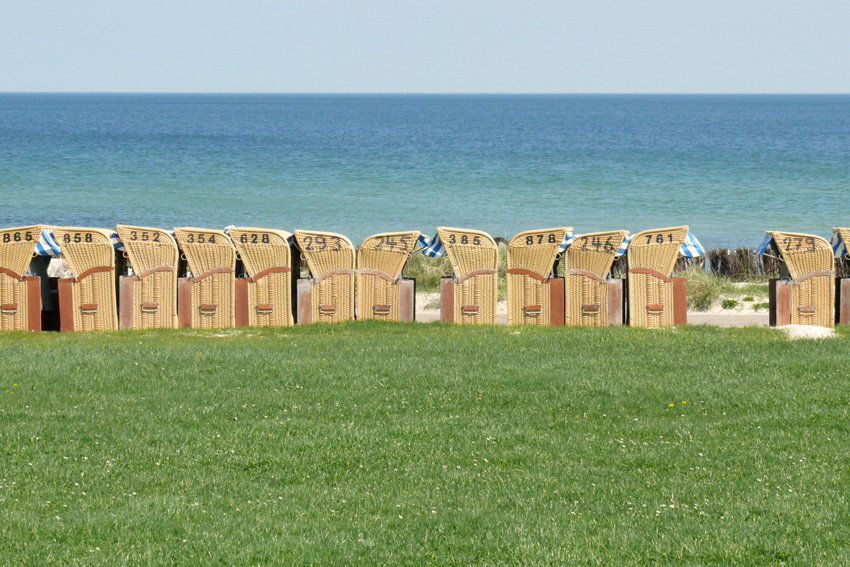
(764, 244)
(433, 247)
(839, 247)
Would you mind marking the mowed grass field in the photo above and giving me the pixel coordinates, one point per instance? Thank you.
(414, 444)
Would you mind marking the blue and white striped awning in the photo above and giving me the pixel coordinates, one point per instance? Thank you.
(47, 245)
(116, 242)
(764, 245)
(433, 248)
(839, 247)
(691, 248)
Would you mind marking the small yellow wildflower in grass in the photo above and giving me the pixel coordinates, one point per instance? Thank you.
(672, 405)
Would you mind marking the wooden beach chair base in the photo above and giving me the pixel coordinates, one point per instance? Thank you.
(155, 305)
(593, 302)
(208, 304)
(20, 309)
(469, 302)
(251, 311)
(537, 302)
(842, 301)
(663, 304)
(797, 302)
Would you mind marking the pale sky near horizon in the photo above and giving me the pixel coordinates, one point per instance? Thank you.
(439, 46)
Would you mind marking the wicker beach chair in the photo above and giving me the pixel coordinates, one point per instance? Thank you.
(149, 297)
(810, 264)
(531, 258)
(88, 300)
(651, 257)
(266, 255)
(587, 264)
(20, 297)
(380, 261)
(330, 258)
(474, 258)
(206, 300)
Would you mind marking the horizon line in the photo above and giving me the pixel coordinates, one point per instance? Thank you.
(401, 93)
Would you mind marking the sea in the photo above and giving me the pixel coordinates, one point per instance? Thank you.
(729, 166)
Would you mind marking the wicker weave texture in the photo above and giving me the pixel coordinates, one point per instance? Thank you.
(91, 257)
(586, 298)
(812, 295)
(264, 250)
(651, 296)
(331, 260)
(528, 297)
(212, 260)
(153, 254)
(16, 250)
(475, 295)
(585, 301)
(380, 262)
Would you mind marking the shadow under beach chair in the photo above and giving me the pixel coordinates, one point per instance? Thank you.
(328, 296)
(471, 295)
(592, 299)
(148, 299)
(805, 292)
(264, 298)
(381, 291)
(20, 296)
(206, 300)
(535, 296)
(651, 257)
(87, 301)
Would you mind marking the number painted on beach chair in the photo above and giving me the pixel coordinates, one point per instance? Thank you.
(596, 243)
(78, 237)
(200, 238)
(658, 238)
(17, 237)
(389, 243)
(318, 243)
(547, 237)
(143, 236)
(465, 240)
(254, 238)
(795, 244)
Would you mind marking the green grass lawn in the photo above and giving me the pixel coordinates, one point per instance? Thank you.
(414, 444)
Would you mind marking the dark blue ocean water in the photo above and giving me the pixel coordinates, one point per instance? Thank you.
(729, 166)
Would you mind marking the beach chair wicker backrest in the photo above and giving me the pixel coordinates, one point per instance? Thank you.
(651, 257)
(531, 257)
(811, 265)
(212, 261)
(474, 258)
(380, 262)
(16, 252)
(268, 261)
(587, 263)
(91, 258)
(331, 260)
(153, 255)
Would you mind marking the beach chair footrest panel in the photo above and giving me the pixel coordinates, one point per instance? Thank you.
(9, 308)
(88, 307)
(382, 309)
(533, 309)
(149, 307)
(591, 309)
(327, 309)
(208, 308)
(265, 308)
(808, 310)
(470, 309)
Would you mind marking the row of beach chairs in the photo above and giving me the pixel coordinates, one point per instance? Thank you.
(151, 293)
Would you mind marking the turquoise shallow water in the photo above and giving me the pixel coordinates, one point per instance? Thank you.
(729, 166)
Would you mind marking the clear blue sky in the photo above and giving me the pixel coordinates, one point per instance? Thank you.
(655, 46)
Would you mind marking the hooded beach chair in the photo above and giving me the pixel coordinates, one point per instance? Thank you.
(381, 292)
(148, 298)
(531, 259)
(20, 297)
(330, 258)
(651, 257)
(807, 268)
(206, 300)
(474, 286)
(264, 299)
(87, 301)
(589, 298)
